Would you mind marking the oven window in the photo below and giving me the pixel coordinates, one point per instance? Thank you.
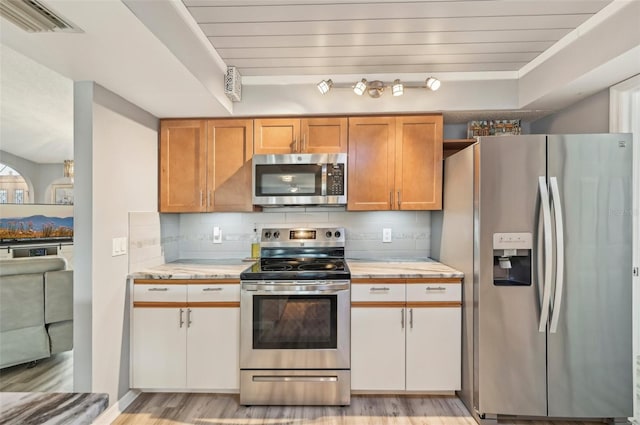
(295, 321)
(289, 180)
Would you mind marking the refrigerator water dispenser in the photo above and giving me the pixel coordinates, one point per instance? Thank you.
(512, 259)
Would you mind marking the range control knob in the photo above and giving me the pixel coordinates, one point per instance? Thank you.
(328, 234)
(267, 235)
(276, 234)
(337, 233)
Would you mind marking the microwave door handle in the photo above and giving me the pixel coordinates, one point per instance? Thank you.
(324, 180)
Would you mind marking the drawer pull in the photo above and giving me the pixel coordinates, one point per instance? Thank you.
(439, 288)
(158, 289)
(383, 289)
(211, 289)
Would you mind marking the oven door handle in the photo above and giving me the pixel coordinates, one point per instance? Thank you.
(293, 291)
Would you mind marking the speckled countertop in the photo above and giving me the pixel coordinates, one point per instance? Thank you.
(195, 269)
(360, 268)
(401, 269)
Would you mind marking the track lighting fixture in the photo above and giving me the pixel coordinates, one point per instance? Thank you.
(375, 88)
(324, 86)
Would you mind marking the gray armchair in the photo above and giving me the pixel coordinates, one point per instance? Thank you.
(36, 309)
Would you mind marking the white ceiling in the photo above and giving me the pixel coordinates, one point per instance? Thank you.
(169, 58)
(377, 36)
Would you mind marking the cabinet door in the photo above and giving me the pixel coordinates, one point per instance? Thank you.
(276, 135)
(377, 348)
(213, 348)
(371, 163)
(323, 135)
(434, 349)
(230, 149)
(182, 166)
(158, 348)
(418, 172)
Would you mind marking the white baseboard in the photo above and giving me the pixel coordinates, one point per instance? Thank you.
(116, 410)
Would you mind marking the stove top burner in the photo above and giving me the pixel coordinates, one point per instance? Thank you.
(298, 269)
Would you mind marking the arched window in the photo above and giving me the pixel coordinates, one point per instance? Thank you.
(13, 187)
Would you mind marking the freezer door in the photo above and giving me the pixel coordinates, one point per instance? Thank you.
(589, 356)
(509, 351)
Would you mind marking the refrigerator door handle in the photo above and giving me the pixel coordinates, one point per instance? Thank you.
(546, 221)
(557, 207)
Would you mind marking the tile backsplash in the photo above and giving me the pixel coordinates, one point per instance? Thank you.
(157, 238)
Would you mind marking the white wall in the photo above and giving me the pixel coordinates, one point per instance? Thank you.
(590, 115)
(120, 158)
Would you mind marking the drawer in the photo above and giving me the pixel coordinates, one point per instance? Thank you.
(434, 292)
(378, 292)
(160, 293)
(213, 293)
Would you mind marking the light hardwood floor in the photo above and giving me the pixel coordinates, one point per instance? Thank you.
(208, 409)
(53, 374)
(223, 409)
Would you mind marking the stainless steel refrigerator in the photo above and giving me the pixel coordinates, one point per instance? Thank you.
(547, 295)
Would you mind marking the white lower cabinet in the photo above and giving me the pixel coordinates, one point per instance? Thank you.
(194, 345)
(408, 344)
(377, 349)
(158, 348)
(213, 343)
(433, 345)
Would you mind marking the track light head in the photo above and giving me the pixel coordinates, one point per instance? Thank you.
(397, 89)
(360, 87)
(324, 86)
(433, 83)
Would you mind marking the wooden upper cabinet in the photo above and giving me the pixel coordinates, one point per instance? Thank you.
(293, 135)
(205, 165)
(395, 163)
(418, 176)
(182, 165)
(276, 135)
(370, 172)
(323, 135)
(230, 149)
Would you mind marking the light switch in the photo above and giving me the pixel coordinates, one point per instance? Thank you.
(118, 246)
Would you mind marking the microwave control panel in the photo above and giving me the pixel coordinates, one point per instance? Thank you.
(335, 179)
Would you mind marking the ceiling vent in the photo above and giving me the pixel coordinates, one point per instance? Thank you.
(233, 84)
(33, 16)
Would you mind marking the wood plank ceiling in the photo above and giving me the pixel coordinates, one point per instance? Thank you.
(318, 37)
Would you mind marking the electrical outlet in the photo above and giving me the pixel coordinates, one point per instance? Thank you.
(217, 235)
(386, 235)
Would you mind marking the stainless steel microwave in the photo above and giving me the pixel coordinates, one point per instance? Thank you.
(300, 179)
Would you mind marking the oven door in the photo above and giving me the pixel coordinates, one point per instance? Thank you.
(295, 325)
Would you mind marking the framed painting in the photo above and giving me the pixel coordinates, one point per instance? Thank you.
(62, 194)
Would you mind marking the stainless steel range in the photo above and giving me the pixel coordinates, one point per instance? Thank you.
(295, 320)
